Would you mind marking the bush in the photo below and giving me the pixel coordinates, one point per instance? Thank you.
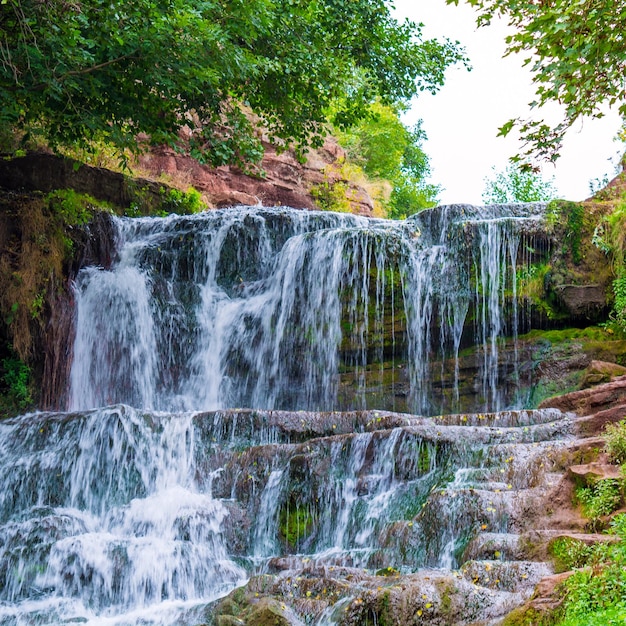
(16, 393)
(600, 498)
(182, 202)
(615, 435)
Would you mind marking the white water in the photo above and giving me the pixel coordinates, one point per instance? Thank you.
(264, 308)
(121, 515)
(103, 510)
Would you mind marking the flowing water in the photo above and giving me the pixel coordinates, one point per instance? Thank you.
(154, 495)
(276, 308)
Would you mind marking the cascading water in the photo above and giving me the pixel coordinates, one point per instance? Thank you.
(294, 310)
(155, 496)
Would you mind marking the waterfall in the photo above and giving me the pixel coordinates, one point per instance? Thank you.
(259, 391)
(276, 308)
(118, 516)
(102, 508)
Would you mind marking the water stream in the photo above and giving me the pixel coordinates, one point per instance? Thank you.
(248, 394)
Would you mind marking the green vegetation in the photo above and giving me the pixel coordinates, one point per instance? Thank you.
(610, 237)
(181, 202)
(424, 458)
(599, 498)
(388, 571)
(296, 523)
(15, 386)
(577, 53)
(571, 217)
(334, 193)
(517, 185)
(615, 435)
(596, 594)
(387, 150)
(76, 73)
(569, 553)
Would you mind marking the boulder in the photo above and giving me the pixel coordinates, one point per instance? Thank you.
(582, 301)
(598, 372)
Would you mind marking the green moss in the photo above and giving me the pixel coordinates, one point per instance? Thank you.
(388, 571)
(528, 616)
(598, 333)
(74, 208)
(296, 523)
(446, 591)
(551, 388)
(424, 458)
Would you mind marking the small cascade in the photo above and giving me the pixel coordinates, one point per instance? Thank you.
(122, 517)
(100, 517)
(276, 308)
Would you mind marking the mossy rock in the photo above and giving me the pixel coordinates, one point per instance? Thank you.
(229, 620)
(230, 606)
(528, 616)
(267, 613)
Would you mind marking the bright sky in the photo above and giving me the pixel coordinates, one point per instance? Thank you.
(462, 120)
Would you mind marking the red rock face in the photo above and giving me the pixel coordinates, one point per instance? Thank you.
(598, 405)
(285, 181)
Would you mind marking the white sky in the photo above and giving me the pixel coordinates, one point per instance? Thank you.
(462, 120)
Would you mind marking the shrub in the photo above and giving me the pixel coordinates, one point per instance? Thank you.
(16, 378)
(615, 435)
(182, 202)
(600, 498)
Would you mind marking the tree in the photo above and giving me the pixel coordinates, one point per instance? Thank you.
(577, 52)
(73, 71)
(515, 184)
(385, 148)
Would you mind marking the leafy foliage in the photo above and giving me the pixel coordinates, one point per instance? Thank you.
(600, 498)
(569, 553)
(610, 238)
(15, 385)
(73, 72)
(577, 53)
(516, 185)
(385, 148)
(182, 202)
(615, 435)
(570, 218)
(594, 595)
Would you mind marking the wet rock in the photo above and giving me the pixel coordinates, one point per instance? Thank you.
(269, 613)
(242, 608)
(229, 620)
(504, 575)
(545, 599)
